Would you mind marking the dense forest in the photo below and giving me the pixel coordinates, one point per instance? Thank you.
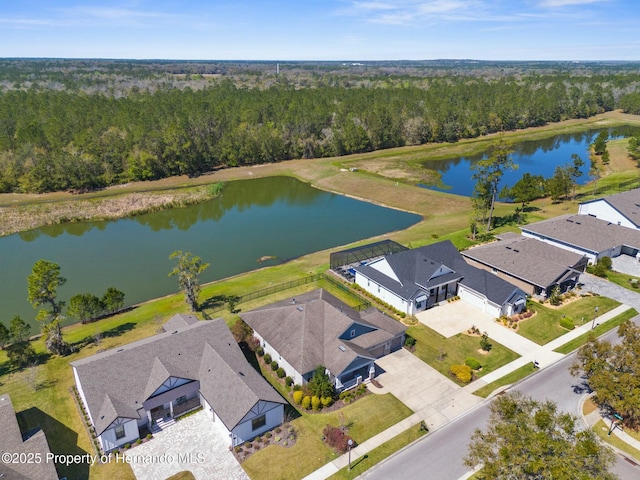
(86, 124)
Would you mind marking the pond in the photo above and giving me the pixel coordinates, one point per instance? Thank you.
(537, 157)
(269, 217)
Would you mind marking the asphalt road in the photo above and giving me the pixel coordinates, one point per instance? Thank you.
(438, 456)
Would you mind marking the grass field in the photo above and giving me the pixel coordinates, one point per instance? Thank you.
(509, 379)
(545, 325)
(441, 353)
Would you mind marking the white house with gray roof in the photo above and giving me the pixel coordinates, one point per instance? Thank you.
(621, 209)
(417, 279)
(586, 235)
(317, 329)
(149, 382)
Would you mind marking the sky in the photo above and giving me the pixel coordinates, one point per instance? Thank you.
(322, 29)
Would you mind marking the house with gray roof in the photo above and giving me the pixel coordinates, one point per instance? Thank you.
(586, 235)
(317, 329)
(534, 266)
(31, 445)
(145, 384)
(417, 279)
(620, 209)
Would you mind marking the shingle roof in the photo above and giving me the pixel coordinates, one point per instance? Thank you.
(627, 203)
(415, 267)
(12, 441)
(118, 381)
(307, 333)
(585, 232)
(526, 258)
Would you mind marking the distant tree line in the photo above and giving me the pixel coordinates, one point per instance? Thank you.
(70, 140)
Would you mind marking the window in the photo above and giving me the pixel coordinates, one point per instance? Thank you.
(181, 399)
(258, 422)
(119, 432)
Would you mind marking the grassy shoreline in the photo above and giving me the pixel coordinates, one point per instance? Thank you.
(28, 211)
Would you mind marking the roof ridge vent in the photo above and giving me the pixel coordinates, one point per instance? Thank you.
(342, 348)
(299, 308)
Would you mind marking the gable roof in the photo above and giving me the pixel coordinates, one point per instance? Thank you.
(585, 232)
(627, 203)
(306, 331)
(415, 269)
(12, 441)
(528, 259)
(117, 382)
(412, 267)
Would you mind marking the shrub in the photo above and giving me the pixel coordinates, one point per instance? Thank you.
(280, 372)
(288, 381)
(240, 331)
(297, 387)
(297, 397)
(274, 366)
(462, 372)
(138, 441)
(409, 341)
(361, 389)
(127, 446)
(484, 342)
(567, 323)
(238, 449)
(606, 262)
(315, 403)
(259, 351)
(326, 401)
(473, 363)
(268, 435)
(346, 397)
(306, 402)
(336, 439)
(267, 358)
(149, 436)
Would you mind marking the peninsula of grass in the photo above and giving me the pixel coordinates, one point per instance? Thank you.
(362, 464)
(602, 429)
(442, 353)
(596, 332)
(624, 280)
(544, 326)
(365, 418)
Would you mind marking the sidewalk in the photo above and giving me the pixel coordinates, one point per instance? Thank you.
(545, 356)
(595, 416)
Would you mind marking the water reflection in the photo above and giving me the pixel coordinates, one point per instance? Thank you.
(538, 157)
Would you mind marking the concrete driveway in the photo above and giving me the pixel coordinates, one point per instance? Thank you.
(192, 444)
(432, 396)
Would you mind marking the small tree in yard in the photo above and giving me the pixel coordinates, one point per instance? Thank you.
(320, 384)
(485, 344)
(85, 307)
(528, 440)
(188, 270)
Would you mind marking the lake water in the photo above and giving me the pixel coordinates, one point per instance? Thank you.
(279, 216)
(538, 157)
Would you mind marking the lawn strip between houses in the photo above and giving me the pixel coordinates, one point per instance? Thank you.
(364, 418)
(596, 332)
(361, 464)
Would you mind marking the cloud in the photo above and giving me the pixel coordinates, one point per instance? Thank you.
(566, 3)
(403, 12)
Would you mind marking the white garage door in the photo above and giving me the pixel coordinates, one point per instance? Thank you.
(472, 298)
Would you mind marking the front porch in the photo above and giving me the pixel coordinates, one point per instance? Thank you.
(160, 417)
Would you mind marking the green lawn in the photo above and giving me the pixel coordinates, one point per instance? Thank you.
(545, 325)
(368, 416)
(596, 332)
(362, 464)
(508, 379)
(602, 429)
(623, 280)
(431, 347)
